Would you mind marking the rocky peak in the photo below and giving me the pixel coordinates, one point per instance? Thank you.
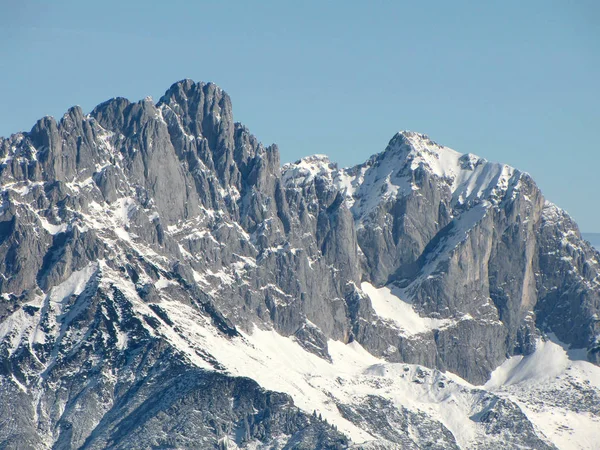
(204, 110)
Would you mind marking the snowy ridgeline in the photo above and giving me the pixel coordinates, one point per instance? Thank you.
(382, 178)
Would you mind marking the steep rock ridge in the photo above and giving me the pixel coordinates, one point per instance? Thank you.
(113, 223)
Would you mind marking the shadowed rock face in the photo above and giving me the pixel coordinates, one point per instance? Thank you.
(175, 200)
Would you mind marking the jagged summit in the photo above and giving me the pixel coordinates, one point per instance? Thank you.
(188, 85)
(401, 168)
(412, 137)
(157, 263)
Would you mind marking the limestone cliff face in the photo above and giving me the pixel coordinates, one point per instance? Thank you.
(135, 198)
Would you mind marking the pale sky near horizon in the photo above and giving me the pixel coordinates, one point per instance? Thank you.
(515, 82)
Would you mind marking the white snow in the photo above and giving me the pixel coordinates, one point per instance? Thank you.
(21, 327)
(305, 170)
(123, 208)
(548, 361)
(538, 382)
(279, 363)
(388, 305)
(51, 228)
(74, 285)
(469, 175)
(566, 429)
(13, 328)
(122, 339)
(163, 283)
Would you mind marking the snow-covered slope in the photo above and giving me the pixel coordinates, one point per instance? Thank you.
(392, 174)
(558, 392)
(403, 316)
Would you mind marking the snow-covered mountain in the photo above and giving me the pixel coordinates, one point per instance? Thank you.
(165, 283)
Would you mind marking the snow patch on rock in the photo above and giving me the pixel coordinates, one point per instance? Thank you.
(389, 306)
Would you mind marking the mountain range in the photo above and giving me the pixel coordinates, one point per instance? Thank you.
(166, 283)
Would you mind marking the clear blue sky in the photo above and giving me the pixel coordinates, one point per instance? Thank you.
(516, 82)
